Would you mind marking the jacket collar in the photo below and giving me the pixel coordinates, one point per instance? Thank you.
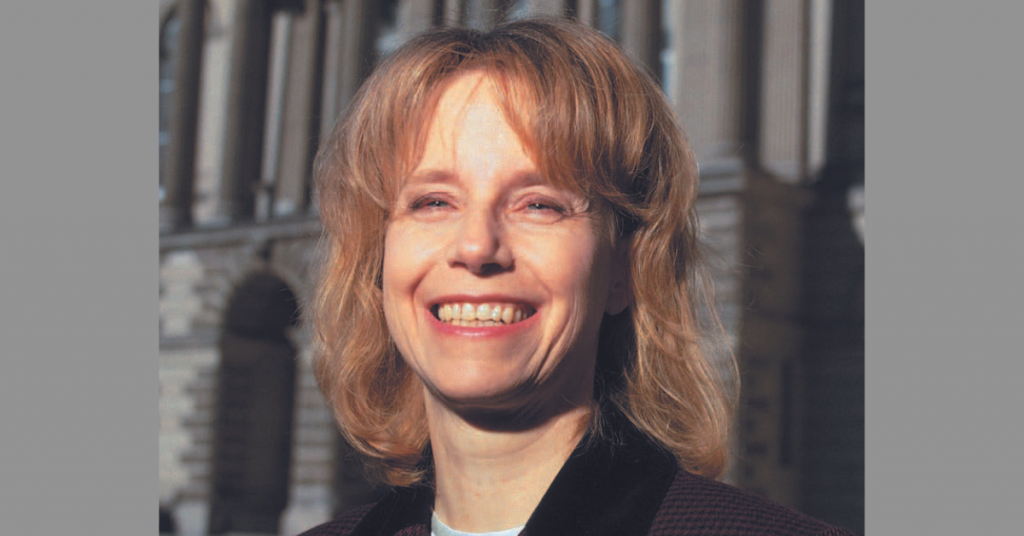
(608, 486)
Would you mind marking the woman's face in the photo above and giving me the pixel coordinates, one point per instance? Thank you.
(494, 281)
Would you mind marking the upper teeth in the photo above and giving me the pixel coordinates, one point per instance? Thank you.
(483, 314)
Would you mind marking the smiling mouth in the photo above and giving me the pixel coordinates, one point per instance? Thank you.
(482, 315)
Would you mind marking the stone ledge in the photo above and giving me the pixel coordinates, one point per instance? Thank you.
(199, 339)
(243, 233)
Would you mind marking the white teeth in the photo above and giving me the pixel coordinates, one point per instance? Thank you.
(486, 314)
(483, 311)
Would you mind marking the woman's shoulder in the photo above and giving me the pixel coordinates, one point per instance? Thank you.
(698, 505)
(341, 525)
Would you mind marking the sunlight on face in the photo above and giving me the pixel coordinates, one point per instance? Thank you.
(494, 281)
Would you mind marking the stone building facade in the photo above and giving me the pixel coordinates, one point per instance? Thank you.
(771, 95)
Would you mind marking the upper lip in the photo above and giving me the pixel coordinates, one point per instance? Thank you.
(481, 298)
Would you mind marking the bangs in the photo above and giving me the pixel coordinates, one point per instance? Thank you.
(556, 146)
(549, 140)
(576, 118)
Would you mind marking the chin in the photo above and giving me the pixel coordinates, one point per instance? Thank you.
(471, 390)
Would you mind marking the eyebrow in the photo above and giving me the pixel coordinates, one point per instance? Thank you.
(441, 176)
(430, 176)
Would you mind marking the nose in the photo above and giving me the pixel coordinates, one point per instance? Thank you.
(480, 245)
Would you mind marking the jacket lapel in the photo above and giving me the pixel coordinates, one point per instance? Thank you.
(404, 511)
(607, 487)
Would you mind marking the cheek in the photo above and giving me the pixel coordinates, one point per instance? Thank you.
(576, 268)
(395, 275)
(399, 258)
(409, 254)
(585, 266)
(396, 290)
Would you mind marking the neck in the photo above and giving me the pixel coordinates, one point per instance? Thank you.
(492, 478)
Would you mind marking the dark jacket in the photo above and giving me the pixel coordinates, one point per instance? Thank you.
(622, 488)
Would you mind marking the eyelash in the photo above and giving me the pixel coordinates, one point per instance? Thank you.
(437, 202)
(546, 205)
(427, 201)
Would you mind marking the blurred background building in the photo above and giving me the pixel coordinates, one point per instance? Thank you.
(771, 93)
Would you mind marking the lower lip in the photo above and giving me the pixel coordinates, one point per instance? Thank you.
(501, 330)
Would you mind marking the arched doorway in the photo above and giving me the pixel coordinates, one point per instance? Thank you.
(254, 407)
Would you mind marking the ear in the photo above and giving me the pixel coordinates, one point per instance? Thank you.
(620, 290)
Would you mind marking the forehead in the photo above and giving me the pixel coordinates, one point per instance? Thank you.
(502, 107)
(470, 129)
(473, 88)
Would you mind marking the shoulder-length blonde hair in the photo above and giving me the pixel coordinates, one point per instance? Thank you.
(593, 122)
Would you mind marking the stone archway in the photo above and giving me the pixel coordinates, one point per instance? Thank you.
(254, 407)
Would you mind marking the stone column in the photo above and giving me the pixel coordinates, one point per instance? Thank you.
(300, 128)
(586, 12)
(415, 16)
(547, 8)
(454, 12)
(640, 32)
(783, 89)
(334, 30)
(346, 47)
(484, 14)
(280, 63)
(246, 109)
(179, 175)
(351, 30)
(819, 66)
(704, 80)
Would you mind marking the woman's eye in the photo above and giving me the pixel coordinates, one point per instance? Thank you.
(543, 210)
(429, 203)
(544, 206)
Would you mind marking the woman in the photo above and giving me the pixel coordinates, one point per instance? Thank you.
(508, 313)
